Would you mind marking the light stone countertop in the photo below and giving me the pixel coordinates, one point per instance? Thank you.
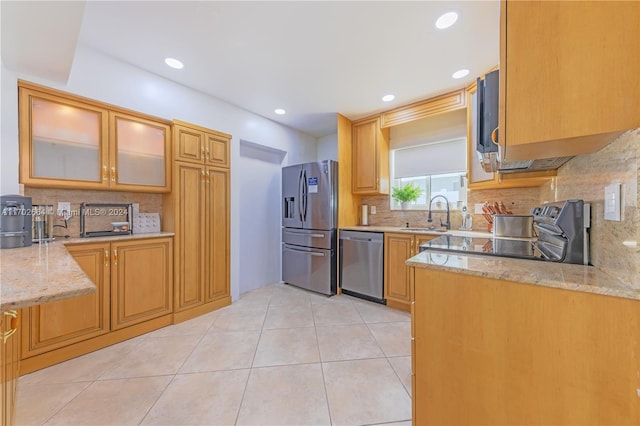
(47, 272)
(549, 274)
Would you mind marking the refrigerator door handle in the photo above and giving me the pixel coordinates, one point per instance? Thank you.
(305, 234)
(310, 253)
(304, 195)
(300, 196)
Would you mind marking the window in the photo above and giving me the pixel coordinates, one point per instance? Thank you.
(438, 168)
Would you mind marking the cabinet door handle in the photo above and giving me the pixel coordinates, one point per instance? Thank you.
(105, 173)
(106, 258)
(113, 174)
(14, 325)
(208, 174)
(115, 257)
(207, 154)
(202, 176)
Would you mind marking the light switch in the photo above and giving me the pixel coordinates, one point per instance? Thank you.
(372, 210)
(612, 202)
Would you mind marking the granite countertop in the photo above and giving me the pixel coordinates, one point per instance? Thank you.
(549, 274)
(47, 272)
(416, 230)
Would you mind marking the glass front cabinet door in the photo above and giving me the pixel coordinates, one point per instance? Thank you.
(63, 143)
(139, 153)
(72, 142)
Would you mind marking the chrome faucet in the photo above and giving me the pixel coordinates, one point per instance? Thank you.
(447, 224)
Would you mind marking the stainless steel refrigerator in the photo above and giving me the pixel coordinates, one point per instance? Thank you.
(309, 221)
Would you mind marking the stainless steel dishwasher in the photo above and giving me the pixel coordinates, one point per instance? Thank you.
(362, 264)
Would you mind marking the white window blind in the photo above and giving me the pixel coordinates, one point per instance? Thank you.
(431, 159)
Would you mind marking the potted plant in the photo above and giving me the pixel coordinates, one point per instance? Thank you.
(404, 195)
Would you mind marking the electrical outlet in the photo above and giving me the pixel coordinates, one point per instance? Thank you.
(64, 210)
(477, 208)
(372, 209)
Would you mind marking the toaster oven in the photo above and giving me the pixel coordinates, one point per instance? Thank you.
(105, 220)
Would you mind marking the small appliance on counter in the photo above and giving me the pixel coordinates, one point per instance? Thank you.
(512, 225)
(15, 221)
(42, 223)
(105, 220)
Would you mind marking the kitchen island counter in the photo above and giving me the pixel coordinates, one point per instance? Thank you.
(582, 278)
(47, 272)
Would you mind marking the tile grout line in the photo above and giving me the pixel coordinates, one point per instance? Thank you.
(246, 385)
(324, 380)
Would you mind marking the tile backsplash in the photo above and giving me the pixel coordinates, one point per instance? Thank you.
(149, 203)
(613, 244)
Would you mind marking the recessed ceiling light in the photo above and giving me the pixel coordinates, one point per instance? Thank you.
(280, 111)
(388, 98)
(460, 73)
(446, 20)
(174, 63)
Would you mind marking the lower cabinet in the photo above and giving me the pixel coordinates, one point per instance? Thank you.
(134, 287)
(398, 247)
(141, 277)
(9, 364)
(491, 351)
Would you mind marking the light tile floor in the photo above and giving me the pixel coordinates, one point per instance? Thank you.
(278, 356)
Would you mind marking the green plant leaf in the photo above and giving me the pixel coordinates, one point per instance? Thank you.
(406, 193)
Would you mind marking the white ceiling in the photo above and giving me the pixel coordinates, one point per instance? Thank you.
(313, 59)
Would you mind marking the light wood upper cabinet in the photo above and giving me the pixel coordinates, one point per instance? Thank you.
(67, 141)
(57, 324)
(197, 144)
(370, 157)
(477, 177)
(139, 154)
(141, 281)
(569, 76)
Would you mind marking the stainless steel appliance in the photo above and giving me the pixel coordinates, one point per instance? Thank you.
(309, 220)
(15, 221)
(42, 215)
(512, 225)
(488, 148)
(361, 264)
(563, 236)
(563, 231)
(99, 219)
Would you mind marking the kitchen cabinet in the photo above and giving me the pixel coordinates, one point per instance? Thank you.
(398, 247)
(197, 211)
(489, 351)
(71, 142)
(134, 295)
(141, 281)
(199, 145)
(370, 157)
(9, 364)
(476, 176)
(58, 324)
(569, 76)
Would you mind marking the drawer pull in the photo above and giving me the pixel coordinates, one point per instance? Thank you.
(115, 257)
(14, 325)
(106, 258)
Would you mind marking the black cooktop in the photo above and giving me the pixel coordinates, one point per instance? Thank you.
(520, 249)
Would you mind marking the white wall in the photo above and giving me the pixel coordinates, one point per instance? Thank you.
(8, 133)
(100, 77)
(328, 147)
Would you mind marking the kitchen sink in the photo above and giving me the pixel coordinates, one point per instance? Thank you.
(425, 230)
